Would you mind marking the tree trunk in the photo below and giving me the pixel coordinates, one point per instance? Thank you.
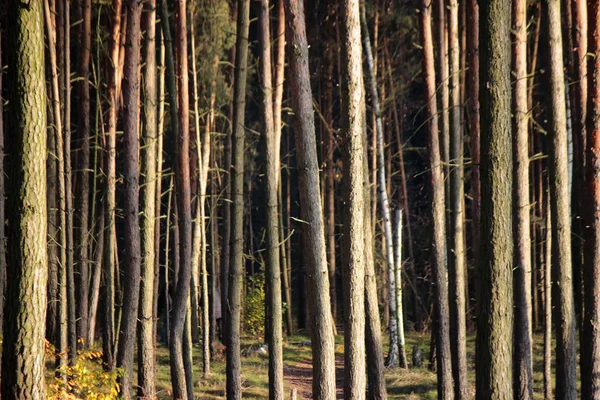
(146, 346)
(353, 102)
(83, 176)
(439, 267)
(548, 303)
(23, 350)
(273, 271)
(566, 385)
(383, 196)
(456, 275)
(523, 374)
(236, 267)
(398, 294)
(443, 59)
(494, 320)
(310, 205)
(131, 208)
(590, 343)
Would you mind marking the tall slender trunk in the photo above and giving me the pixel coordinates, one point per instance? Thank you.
(398, 294)
(443, 59)
(111, 183)
(131, 208)
(83, 167)
(456, 272)
(310, 205)
(548, 302)
(149, 138)
(383, 195)
(23, 352)
(353, 103)
(590, 343)
(566, 387)
(236, 268)
(273, 272)
(439, 263)
(494, 314)
(523, 374)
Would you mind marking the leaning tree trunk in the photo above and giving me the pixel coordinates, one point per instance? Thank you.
(23, 354)
(439, 266)
(236, 269)
(131, 207)
(494, 314)
(310, 205)
(523, 374)
(383, 196)
(273, 272)
(590, 343)
(353, 102)
(146, 345)
(566, 378)
(457, 270)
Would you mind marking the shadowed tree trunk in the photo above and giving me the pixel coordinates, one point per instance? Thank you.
(353, 103)
(439, 267)
(523, 379)
(23, 352)
(236, 268)
(590, 343)
(310, 204)
(566, 385)
(273, 271)
(494, 319)
(131, 207)
(146, 345)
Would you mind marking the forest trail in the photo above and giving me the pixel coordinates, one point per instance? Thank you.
(299, 376)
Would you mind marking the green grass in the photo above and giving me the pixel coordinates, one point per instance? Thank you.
(402, 384)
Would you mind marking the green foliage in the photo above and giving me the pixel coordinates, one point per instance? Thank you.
(254, 310)
(86, 378)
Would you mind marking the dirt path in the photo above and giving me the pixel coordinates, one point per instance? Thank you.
(299, 377)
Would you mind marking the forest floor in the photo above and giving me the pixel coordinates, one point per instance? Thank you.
(410, 384)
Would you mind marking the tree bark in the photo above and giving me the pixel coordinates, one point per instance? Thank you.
(310, 204)
(236, 268)
(566, 385)
(590, 343)
(23, 355)
(353, 102)
(146, 345)
(523, 373)
(439, 263)
(494, 320)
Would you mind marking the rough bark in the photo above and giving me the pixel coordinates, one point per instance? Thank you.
(23, 354)
(149, 139)
(590, 343)
(566, 385)
(310, 204)
(439, 263)
(353, 100)
(273, 271)
(236, 269)
(494, 320)
(523, 374)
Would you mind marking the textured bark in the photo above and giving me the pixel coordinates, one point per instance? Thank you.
(23, 354)
(474, 123)
(383, 195)
(566, 384)
(131, 208)
(310, 204)
(273, 271)
(111, 182)
(444, 82)
(439, 265)
(82, 191)
(398, 275)
(523, 374)
(494, 320)
(457, 270)
(236, 270)
(353, 102)
(146, 345)
(590, 343)
(547, 285)
(374, 346)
